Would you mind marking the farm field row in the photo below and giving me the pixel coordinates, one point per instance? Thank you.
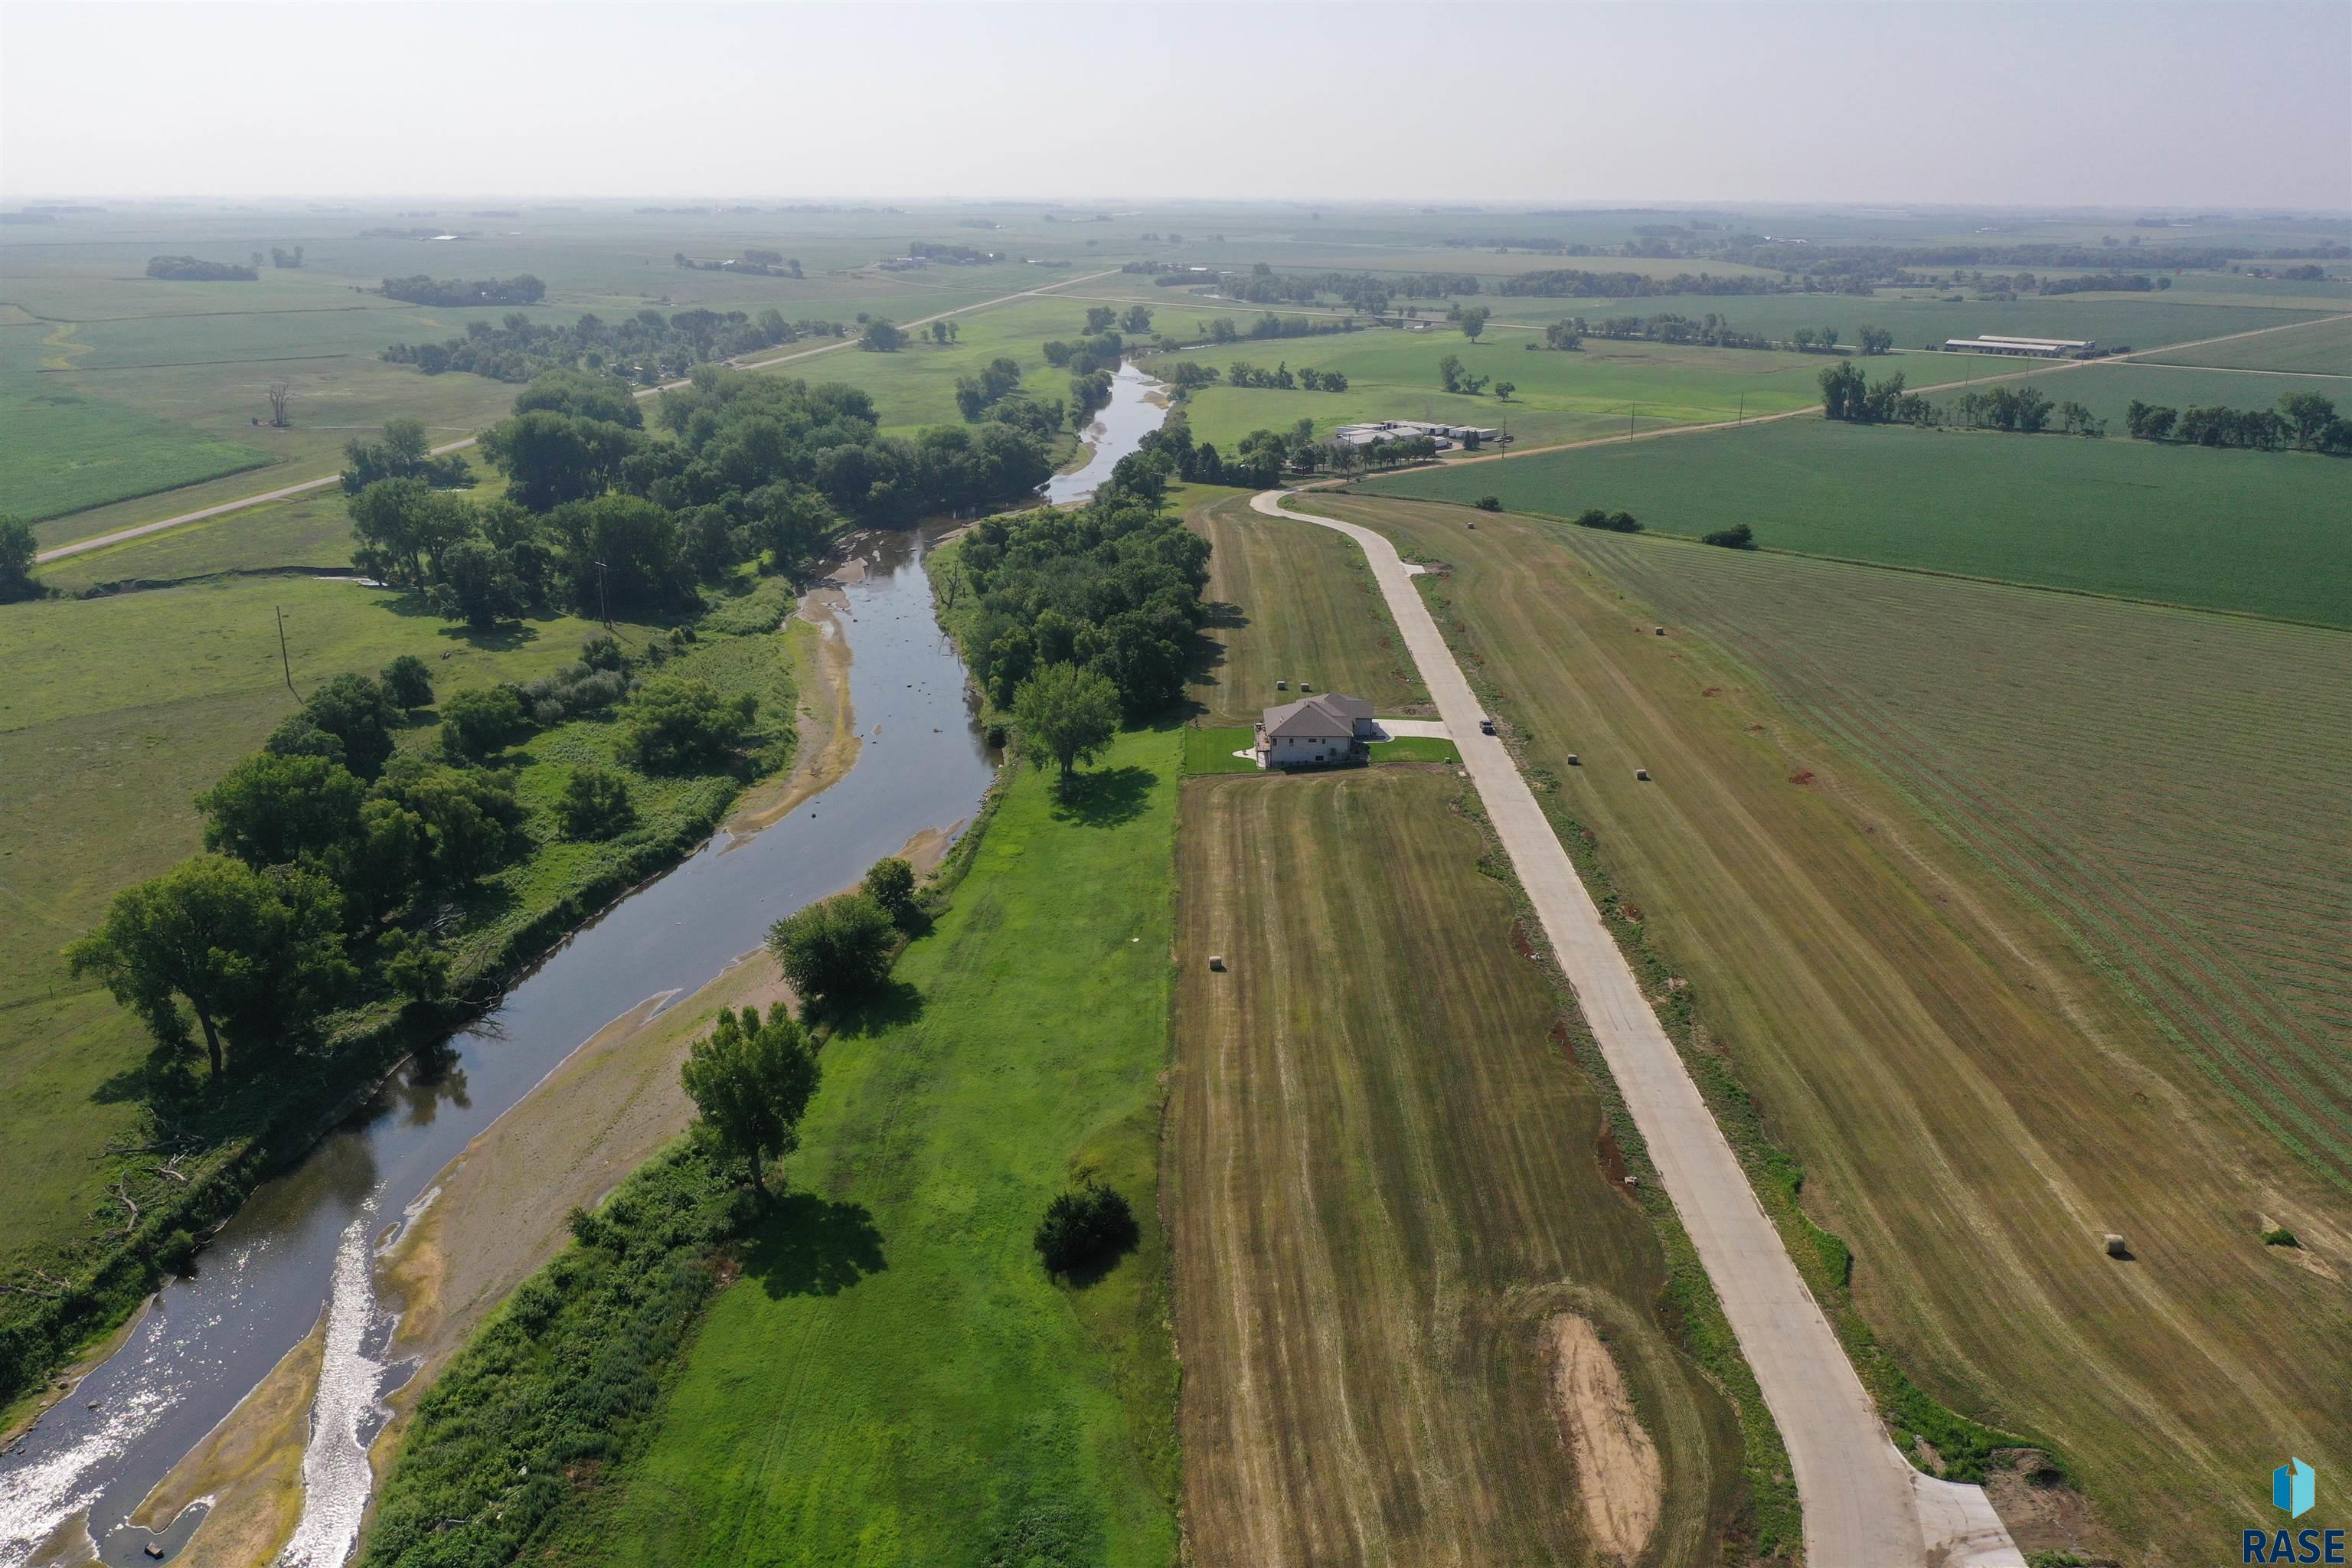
(895, 1379)
(1958, 916)
(2323, 347)
(1392, 1207)
(2249, 531)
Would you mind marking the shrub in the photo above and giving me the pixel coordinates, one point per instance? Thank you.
(2280, 1237)
(1737, 537)
(477, 723)
(575, 689)
(680, 725)
(1614, 522)
(596, 805)
(891, 884)
(1491, 503)
(837, 950)
(178, 1254)
(1086, 1230)
(407, 683)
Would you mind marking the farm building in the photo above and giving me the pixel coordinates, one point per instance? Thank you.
(2031, 348)
(1446, 435)
(1325, 728)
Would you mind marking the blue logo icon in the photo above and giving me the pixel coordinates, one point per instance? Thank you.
(2293, 1486)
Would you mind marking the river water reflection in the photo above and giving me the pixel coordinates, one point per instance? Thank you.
(1137, 407)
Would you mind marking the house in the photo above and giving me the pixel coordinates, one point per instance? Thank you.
(1325, 728)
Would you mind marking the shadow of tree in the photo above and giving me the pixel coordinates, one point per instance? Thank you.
(810, 1245)
(1104, 798)
(896, 1004)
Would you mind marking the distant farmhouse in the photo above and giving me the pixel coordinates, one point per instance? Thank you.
(1325, 728)
(2031, 348)
(1447, 437)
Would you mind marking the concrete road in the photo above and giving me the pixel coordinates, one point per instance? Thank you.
(289, 491)
(1864, 1506)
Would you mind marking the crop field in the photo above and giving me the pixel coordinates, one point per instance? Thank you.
(2256, 533)
(121, 711)
(2107, 389)
(1386, 1173)
(2022, 918)
(67, 450)
(895, 1379)
(1293, 603)
(2322, 347)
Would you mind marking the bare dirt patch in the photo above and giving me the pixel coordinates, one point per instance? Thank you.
(827, 747)
(2042, 1512)
(1616, 1464)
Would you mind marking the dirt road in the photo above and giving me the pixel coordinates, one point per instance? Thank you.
(287, 492)
(1864, 1506)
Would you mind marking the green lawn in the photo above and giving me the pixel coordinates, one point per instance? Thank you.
(2251, 532)
(895, 1380)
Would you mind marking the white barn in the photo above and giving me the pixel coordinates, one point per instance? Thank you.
(1326, 728)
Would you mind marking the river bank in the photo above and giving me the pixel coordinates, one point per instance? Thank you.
(791, 841)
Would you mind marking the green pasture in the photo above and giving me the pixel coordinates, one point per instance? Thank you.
(2322, 347)
(895, 1379)
(2251, 532)
(312, 531)
(66, 449)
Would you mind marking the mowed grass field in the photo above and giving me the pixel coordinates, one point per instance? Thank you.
(1292, 604)
(2001, 904)
(121, 710)
(2257, 532)
(1386, 1173)
(312, 531)
(895, 1379)
(2323, 347)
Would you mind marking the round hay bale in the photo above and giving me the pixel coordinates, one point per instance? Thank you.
(1217, 961)
(1642, 775)
(2115, 1245)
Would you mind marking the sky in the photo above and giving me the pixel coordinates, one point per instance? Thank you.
(2024, 102)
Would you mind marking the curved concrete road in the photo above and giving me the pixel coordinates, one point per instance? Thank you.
(287, 491)
(1865, 1507)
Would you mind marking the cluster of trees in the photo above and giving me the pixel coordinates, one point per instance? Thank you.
(402, 452)
(759, 263)
(1710, 330)
(976, 394)
(879, 334)
(2303, 420)
(1614, 522)
(954, 254)
(1261, 285)
(288, 261)
(1112, 588)
(522, 288)
(836, 952)
(1563, 282)
(1812, 340)
(1103, 351)
(648, 348)
(2020, 411)
(1257, 461)
(1281, 377)
(189, 269)
(1222, 331)
(1102, 319)
(1453, 377)
(1845, 394)
(2104, 283)
(20, 550)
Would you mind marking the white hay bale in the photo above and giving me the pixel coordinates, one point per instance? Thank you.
(1217, 961)
(2115, 1245)
(1642, 775)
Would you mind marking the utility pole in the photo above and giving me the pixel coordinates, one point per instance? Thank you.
(285, 663)
(603, 609)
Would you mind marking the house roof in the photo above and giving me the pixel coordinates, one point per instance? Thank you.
(1324, 714)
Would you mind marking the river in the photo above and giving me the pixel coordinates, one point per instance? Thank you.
(305, 1243)
(1137, 407)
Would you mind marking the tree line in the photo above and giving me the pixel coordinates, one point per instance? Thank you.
(1567, 282)
(1281, 378)
(645, 348)
(189, 269)
(758, 263)
(522, 288)
(2303, 421)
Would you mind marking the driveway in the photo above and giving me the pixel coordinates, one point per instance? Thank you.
(1865, 1507)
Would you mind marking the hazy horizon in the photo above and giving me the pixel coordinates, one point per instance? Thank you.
(2075, 106)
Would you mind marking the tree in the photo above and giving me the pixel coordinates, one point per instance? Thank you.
(1473, 320)
(1737, 537)
(753, 1082)
(1449, 372)
(1488, 503)
(891, 883)
(1565, 334)
(2307, 412)
(1503, 390)
(596, 804)
(1085, 1229)
(280, 810)
(404, 525)
(836, 951)
(407, 683)
(1065, 715)
(486, 720)
(255, 955)
(19, 550)
(1875, 339)
(881, 337)
(281, 403)
(1137, 320)
(551, 457)
(1099, 318)
(1842, 391)
(477, 585)
(353, 709)
(682, 725)
(470, 818)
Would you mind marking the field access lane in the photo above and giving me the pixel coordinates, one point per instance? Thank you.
(287, 493)
(1863, 1505)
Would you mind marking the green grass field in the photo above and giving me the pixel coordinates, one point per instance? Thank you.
(68, 449)
(2324, 347)
(1389, 1176)
(2249, 531)
(899, 1381)
(122, 710)
(1292, 605)
(312, 531)
(2020, 916)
